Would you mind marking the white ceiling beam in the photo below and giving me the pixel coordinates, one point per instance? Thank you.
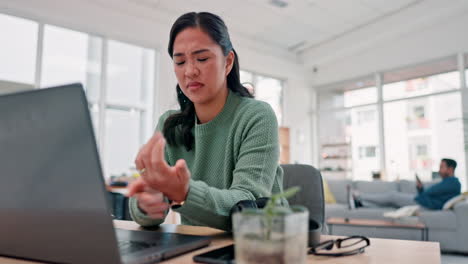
(423, 15)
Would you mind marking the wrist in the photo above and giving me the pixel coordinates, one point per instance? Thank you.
(179, 201)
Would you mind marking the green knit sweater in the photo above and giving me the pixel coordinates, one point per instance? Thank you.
(235, 157)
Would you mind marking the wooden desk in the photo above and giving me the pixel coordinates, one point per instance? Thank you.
(381, 251)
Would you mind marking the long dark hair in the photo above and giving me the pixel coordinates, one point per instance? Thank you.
(178, 127)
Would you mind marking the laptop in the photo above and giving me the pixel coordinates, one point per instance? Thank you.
(53, 203)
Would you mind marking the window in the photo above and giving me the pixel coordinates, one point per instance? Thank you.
(418, 145)
(128, 124)
(122, 119)
(360, 97)
(247, 80)
(466, 71)
(423, 122)
(366, 116)
(357, 127)
(19, 46)
(421, 150)
(124, 73)
(94, 111)
(418, 112)
(367, 152)
(122, 140)
(364, 139)
(270, 90)
(422, 86)
(266, 89)
(348, 94)
(71, 56)
(354, 103)
(466, 77)
(335, 132)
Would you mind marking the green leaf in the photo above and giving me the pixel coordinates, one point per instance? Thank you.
(289, 192)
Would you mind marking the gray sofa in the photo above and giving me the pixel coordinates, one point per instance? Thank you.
(450, 228)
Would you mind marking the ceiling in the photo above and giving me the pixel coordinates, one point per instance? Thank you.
(299, 25)
(311, 33)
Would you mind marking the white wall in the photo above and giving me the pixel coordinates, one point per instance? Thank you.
(150, 29)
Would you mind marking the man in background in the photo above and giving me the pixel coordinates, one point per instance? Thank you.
(433, 197)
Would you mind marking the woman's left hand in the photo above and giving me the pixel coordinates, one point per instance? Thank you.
(158, 175)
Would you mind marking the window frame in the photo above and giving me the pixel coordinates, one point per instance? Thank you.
(146, 110)
(462, 70)
(282, 81)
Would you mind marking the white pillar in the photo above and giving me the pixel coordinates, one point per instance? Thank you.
(464, 98)
(39, 50)
(314, 128)
(102, 100)
(379, 85)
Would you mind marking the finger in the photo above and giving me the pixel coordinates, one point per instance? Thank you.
(182, 170)
(138, 160)
(156, 209)
(158, 161)
(144, 156)
(150, 199)
(148, 189)
(157, 216)
(135, 187)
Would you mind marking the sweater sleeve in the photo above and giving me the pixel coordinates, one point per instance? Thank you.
(253, 175)
(135, 212)
(441, 188)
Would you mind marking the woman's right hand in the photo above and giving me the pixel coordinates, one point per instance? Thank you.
(173, 181)
(150, 201)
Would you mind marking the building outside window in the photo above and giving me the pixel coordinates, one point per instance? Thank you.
(348, 115)
(367, 152)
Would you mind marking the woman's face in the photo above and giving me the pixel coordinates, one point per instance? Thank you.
(200, 66)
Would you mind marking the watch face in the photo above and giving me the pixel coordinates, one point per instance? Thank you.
(176, 206)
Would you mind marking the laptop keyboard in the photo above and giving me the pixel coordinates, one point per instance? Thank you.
(127, 247)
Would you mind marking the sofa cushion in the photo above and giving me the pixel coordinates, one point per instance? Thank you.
(375, 186)
(338, 188)
(457, 199)
(335, 210)
(329, 197)
(406, 186)
(438, 219)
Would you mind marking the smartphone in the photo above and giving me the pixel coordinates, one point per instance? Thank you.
(417, 178)
(224, 255)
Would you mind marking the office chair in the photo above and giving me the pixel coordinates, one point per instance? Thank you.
(311, 194)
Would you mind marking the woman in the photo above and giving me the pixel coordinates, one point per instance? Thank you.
(222, 145)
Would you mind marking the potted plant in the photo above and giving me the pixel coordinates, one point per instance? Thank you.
(274, 234)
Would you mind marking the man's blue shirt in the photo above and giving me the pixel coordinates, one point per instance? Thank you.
(436, 196)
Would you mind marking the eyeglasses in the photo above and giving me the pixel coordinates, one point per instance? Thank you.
(355, 244)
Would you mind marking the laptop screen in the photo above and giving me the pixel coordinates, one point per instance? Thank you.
(52, 197)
